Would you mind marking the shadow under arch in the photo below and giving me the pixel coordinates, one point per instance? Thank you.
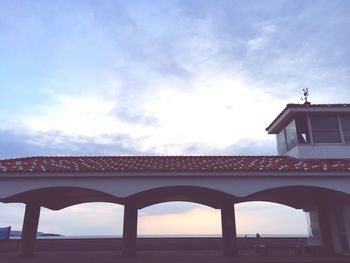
(298, 196)
(200, 195)
(56, 198)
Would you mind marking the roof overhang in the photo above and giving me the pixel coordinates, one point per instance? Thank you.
(292, 109)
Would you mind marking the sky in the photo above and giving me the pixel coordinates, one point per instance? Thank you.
(168, 77)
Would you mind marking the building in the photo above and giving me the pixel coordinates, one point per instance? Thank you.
(311, 172)
(319, 132)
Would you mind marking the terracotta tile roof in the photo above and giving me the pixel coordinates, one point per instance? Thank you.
(142, 164)
(309, 106)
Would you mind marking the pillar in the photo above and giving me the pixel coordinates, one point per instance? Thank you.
(129, 230)
(228, 225)
(29, 230)
(346, 218)
(324, 221)
(340, 239)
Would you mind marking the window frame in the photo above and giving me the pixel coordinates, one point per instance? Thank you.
(310, 129)
(342, 129)
(338, 129)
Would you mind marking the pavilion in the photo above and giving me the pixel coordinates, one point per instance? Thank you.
(310, 172)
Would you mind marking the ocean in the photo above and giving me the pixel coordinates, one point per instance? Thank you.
(167, 236)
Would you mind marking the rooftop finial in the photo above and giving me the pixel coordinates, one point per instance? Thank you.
(306, 94)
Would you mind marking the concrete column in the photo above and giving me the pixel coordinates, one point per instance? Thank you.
(340, 240)
(228, 225)
(29, 230)
(346, 213)
(324, 221)
(129, 230)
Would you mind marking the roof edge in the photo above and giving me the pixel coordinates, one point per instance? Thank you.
(294, 108)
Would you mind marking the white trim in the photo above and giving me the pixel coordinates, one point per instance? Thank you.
(117, 175)
(126, 186)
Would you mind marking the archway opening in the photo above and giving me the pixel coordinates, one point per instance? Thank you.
(179, 219)
(165, 219)
(84, 220)
(270, 220)
(190, 219)
(12, 215)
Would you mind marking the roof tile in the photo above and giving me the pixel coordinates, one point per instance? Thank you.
(143, 164)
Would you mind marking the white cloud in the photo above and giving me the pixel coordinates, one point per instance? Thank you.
(195, 80)
(257, 43)
(219, 110)
(265, 32)
(81, 115)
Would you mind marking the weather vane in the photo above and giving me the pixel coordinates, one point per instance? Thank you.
(306, 94)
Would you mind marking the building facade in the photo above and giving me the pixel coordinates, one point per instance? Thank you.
(311, 172)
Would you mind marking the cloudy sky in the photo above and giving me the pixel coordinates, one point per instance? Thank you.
(162, 78)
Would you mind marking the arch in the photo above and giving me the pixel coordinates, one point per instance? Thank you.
(297, 196)
(86, 219)
(201, 195)
(270, 218)
(179, 218)
(56, 198)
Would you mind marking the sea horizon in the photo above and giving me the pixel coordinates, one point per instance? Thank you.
(166, 236)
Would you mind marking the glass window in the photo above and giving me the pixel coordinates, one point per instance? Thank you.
(291, 135)
(345, 121)
(281, 143)
(302, 130)
(324, 122)
(325, 129)
(326, 136)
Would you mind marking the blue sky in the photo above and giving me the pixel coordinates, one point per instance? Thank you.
(162, 77)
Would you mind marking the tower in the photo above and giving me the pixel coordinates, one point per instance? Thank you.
(319, 132)
(313, 131)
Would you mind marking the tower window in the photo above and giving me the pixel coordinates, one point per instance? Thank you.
(325, 129)
(345, 121)
(281, 142)
(291, 135)
(302, 130)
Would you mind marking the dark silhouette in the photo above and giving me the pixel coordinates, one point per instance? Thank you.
(306, 94)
